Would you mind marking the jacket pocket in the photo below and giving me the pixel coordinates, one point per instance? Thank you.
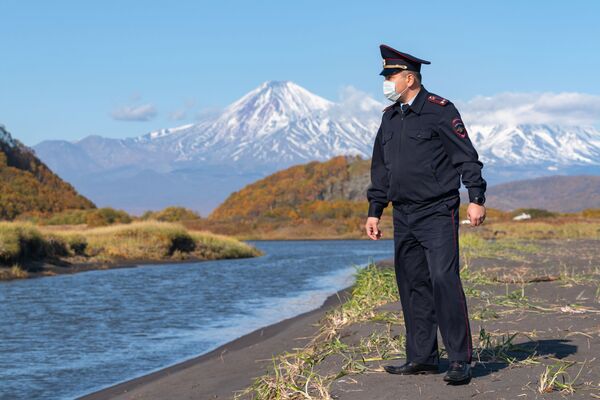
(387, 136)
(419, 134)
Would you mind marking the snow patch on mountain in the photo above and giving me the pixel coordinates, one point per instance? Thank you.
(527, 144)
(167, 131)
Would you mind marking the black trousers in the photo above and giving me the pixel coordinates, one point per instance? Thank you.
(426, 260)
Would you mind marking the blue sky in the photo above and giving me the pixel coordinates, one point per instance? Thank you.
(68, 67)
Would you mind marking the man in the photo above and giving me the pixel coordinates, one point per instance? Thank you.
(421, 152)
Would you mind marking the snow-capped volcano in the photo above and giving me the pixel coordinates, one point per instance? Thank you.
(272, 106)
(278, 122)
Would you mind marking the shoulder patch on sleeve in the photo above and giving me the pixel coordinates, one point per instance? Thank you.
(437, 100)
(458, 127)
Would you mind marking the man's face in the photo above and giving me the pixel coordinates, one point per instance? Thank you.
(400, 80)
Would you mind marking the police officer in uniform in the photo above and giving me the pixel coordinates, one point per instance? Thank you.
(421, 152)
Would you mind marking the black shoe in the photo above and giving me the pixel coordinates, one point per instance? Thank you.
(412, 368)
(458, 372)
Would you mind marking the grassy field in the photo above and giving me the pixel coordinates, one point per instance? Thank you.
(27, 249)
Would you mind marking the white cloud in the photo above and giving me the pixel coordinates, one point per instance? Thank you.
(182, 113)
(177, 115)
(511, 108)
(355, 102)
(144, 112)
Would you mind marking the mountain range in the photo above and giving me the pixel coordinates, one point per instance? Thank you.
(277, 125)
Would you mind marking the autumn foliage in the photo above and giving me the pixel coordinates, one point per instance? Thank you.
(297, 192)
(28, 185)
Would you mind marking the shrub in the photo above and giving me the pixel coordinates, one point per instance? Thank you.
(591, 213)
(77, 243)
(171, 214)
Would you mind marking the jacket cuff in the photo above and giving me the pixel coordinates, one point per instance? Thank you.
(475, 191)
(375, 209)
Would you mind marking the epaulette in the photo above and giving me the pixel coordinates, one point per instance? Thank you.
(388, 107)
(437, 100)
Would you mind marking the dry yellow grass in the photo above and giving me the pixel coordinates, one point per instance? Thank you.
(574, 228)
(14, 272)
(157, 240)
(146, 240)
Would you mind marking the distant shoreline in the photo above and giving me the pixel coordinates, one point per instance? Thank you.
(49, 269)
(31, 251)
(44, 269)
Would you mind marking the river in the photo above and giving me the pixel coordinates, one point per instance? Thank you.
(68, 335)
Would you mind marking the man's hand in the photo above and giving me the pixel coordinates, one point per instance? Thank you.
(372, 227)
(476, 214)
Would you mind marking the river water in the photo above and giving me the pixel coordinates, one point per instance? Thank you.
(68, 335)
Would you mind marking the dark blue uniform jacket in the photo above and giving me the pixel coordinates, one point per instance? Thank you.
(419, 156)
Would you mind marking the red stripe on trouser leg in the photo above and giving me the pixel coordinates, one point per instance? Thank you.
(461, 292)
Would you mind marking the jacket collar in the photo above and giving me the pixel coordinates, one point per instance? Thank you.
(417, 104)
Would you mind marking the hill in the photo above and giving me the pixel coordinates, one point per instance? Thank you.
(328, 200)
(554, 193)
(28, 185)
(297, 190)
(316, 200)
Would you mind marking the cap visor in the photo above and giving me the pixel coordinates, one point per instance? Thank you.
(389, 71)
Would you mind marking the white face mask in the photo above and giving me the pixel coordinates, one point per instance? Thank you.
(389, 90)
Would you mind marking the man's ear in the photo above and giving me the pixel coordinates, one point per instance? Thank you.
(411, 80)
